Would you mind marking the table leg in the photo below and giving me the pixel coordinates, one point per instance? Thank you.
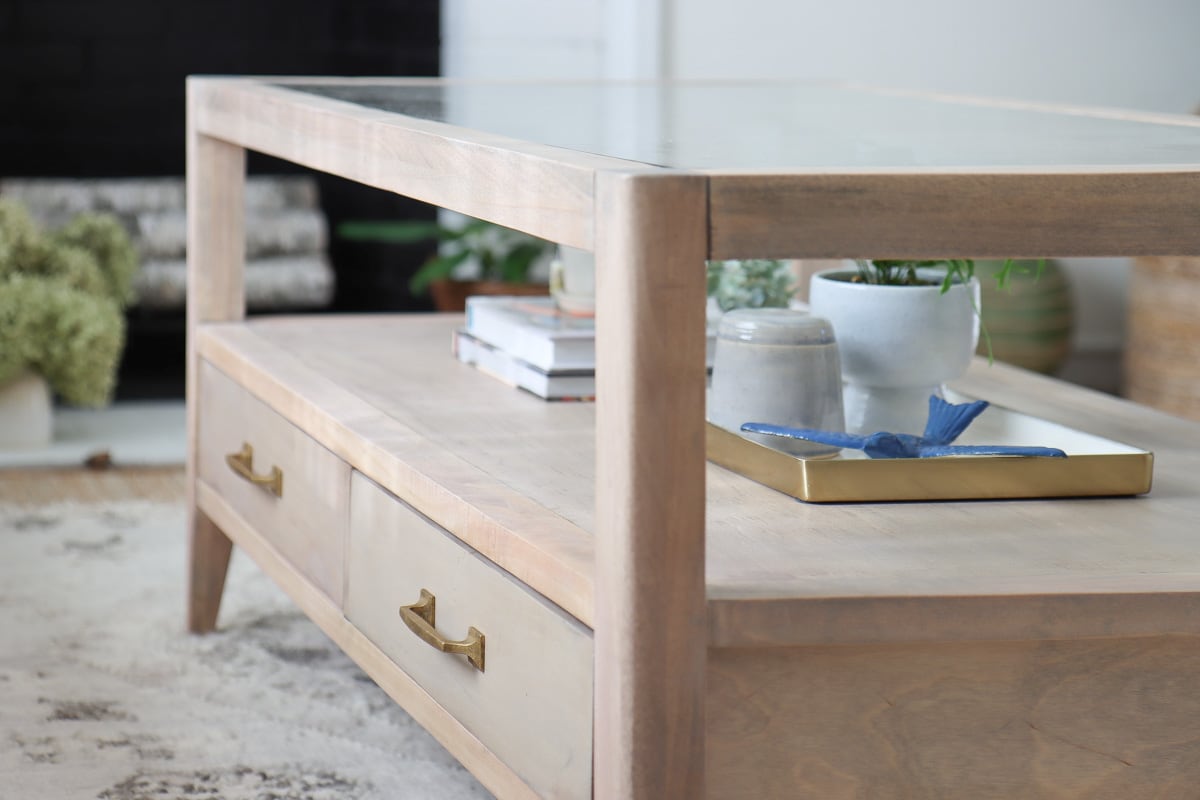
(216, 179)
(650, 622)
(208, 562)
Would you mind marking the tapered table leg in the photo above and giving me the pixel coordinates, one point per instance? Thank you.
(208, 563)
(216, 179)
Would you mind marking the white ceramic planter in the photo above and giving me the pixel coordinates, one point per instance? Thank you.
(26, 413)
(898, 345)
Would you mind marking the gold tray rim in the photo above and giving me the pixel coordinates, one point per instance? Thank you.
(838, 480)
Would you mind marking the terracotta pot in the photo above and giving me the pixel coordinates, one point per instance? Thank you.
(451, 295)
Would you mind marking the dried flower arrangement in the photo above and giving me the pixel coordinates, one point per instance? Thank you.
(62, 296)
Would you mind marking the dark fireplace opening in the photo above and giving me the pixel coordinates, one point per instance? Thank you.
(96, 90)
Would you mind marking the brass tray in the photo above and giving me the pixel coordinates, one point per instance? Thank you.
(1094, 466)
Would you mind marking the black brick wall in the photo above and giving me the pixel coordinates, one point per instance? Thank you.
(95, 88)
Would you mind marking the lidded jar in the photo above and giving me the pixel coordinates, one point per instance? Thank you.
(779, 366)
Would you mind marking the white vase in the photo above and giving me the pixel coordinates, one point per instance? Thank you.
(898, 345)
(573, 281)
(26, 415)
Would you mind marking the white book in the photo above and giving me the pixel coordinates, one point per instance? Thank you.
(557, 385)
(535, 331)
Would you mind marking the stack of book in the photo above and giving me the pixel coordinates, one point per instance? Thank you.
(527, 342)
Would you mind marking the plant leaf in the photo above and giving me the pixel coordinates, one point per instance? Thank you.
(514, 267)
(394, 232)
(435, 269)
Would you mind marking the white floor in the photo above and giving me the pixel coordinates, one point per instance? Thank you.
(144, 433)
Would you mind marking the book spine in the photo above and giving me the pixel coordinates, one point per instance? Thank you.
(511, 371)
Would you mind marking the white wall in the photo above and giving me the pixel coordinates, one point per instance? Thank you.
(1141, 54)
(558, 39)
(1126, 53)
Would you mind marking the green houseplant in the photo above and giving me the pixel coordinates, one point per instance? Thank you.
(504, 258)
(62, 296)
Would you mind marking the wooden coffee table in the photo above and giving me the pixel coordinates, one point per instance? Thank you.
(624, 619)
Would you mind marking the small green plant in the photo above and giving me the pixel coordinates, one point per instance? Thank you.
(62, 295)
(503, 254)
(751, 283)
(884, 272)
(957, 270)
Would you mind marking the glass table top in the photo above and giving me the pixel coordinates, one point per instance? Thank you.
(781, 126)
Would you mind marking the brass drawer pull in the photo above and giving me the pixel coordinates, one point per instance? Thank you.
(420, 619)
(243, 464)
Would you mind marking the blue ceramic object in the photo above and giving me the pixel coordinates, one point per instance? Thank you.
(946, 421)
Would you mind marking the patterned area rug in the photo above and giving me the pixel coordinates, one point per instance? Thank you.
(103, 695)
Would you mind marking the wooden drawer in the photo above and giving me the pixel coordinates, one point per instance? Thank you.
(307, 522)
(532, 703)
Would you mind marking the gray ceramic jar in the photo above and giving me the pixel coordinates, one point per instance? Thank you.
(778, 366)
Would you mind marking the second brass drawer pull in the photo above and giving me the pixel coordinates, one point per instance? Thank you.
(242, 463)
(420, 617)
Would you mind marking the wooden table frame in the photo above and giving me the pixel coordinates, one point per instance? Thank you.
(650, 624)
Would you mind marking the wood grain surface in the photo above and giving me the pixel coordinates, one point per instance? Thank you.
(989, 214)
(882, 662)
(309, 523)
(531, 705)
(1162, 352)
(216, 256)
(513, 476)
(1117, 718)
(649, 490)
(542, 190)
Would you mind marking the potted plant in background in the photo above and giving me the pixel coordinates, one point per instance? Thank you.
(62, 327)
(749, 283)
(1030, 320)
(904, 328)
(504, 259)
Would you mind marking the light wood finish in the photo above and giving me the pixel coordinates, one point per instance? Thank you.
(31, 487)
(988, 214)
(316, 605)
(542, 190)
(208, 562)
(216, 258)
(531, 704)
(308, 524)
(820, 211)
(353, 392)
(1162, 351)
(649, 495)
(1088, 719)
(605, 511)
(513, 476)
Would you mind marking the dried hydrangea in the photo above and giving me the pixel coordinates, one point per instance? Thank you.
(61, 301)
(103, 236)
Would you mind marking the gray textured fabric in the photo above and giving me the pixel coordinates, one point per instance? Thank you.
(287, 236)
(103, 695)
